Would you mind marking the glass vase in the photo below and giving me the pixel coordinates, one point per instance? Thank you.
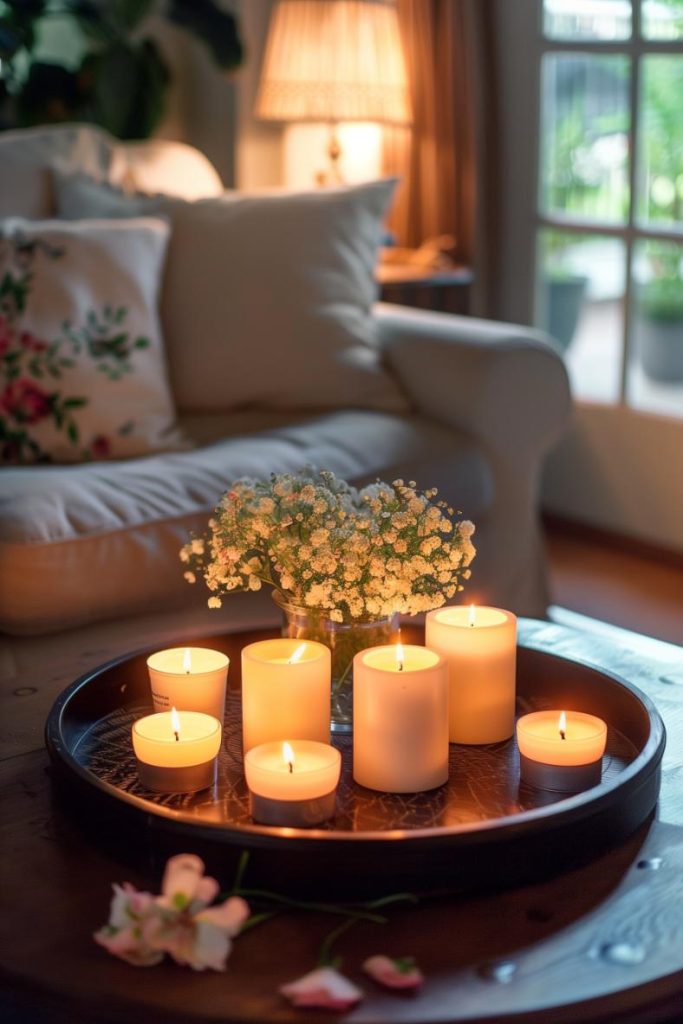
(345, 640)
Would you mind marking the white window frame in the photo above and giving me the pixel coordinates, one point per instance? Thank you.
(635, 48)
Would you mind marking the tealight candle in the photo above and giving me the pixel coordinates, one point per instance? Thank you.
(176, 750)
(190, 679)
(480, 647)
(400, 719)
(286, 690)
(561, 751)
(292, 783)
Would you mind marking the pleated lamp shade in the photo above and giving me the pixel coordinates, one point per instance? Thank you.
(334, 60)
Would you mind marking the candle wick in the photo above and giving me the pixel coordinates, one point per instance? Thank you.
(563, 734)
(400, 666)
(177, 736)
(291, 767)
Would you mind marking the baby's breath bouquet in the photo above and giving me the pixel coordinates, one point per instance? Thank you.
(344, 557)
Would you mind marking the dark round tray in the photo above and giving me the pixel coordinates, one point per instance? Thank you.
(483, 828)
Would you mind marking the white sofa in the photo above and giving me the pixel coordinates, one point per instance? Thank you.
(88, 553)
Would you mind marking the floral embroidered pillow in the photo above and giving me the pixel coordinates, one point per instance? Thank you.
(82, 368)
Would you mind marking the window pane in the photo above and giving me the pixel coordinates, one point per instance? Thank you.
(655, 380)
(662, 19)
(587, 19)
(580, 288)
(660, 166)
(584, 136)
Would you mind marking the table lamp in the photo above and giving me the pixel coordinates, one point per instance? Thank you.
(332, 61)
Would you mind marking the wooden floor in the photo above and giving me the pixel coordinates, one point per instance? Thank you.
(638, 591)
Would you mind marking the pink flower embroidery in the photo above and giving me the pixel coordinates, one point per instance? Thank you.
(100, 447)
(25, 401)
(142, 927)
(401, 973)
(30, 342)
(325, 988)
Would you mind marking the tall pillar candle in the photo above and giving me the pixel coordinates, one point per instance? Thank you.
(480, 647)
(400, 719)
(189, 679)
(286, 689)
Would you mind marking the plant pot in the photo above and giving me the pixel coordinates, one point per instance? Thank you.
(345, 640)
(563, 300)
(659, 344)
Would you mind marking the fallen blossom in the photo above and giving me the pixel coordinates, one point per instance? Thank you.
(400, 973)
(325, 988)
(127, 934)
(179, 922)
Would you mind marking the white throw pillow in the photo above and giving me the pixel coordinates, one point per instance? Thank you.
(267, 297)
(82, 369)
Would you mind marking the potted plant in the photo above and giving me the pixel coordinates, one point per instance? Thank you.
(659, 321)
(117, 76)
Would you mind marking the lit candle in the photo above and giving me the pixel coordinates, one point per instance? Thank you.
(176, 750)
(292, 783)
(286, 691)
(561, 751)
(400, 719)
(480, 647)
(190, 679)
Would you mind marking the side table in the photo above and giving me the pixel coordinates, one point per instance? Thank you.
(409, 284)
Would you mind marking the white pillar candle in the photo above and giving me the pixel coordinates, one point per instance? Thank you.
(560, 750)
(400, 719)
(286, 691)
(189, 679)
(480, 647)
(176, 750)
(293, 783)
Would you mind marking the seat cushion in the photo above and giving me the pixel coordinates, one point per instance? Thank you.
(84, 543)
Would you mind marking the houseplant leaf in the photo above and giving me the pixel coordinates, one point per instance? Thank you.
(128, 88)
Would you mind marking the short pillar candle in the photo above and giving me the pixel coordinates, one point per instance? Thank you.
(176, 751)
(292, 784)
(561, 751)
(286, 690)
(400, 719)
(189, 679)
(479, 645)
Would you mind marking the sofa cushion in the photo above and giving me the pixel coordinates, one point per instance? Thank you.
(82, 367)
(266, 298)
(86, 543)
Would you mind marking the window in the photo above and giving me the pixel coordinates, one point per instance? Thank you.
(609, 220)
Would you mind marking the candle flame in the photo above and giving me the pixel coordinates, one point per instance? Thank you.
(288, 756)
(175, 724)
(562, 726)
(298, 654)
(400, 654)
(473, 615)
(187, 661)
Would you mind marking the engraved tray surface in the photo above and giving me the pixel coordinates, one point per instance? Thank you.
(483, 783)
(448, 838)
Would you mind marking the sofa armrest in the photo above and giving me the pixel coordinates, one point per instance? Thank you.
(501, 383)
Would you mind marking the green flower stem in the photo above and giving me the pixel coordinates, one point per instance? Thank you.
(325, 958)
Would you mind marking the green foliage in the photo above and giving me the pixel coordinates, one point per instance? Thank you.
(122, 80)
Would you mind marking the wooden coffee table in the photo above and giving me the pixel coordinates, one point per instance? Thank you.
(602, 942)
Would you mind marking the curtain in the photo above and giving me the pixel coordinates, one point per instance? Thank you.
(446, 160)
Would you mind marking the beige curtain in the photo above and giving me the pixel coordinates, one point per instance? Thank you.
(446, 160)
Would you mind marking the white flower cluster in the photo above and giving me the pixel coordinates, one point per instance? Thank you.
(357, 555)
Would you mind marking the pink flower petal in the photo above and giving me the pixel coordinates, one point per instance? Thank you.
(324, 988)
(181, 880)
(396, 974)
(228, 916)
